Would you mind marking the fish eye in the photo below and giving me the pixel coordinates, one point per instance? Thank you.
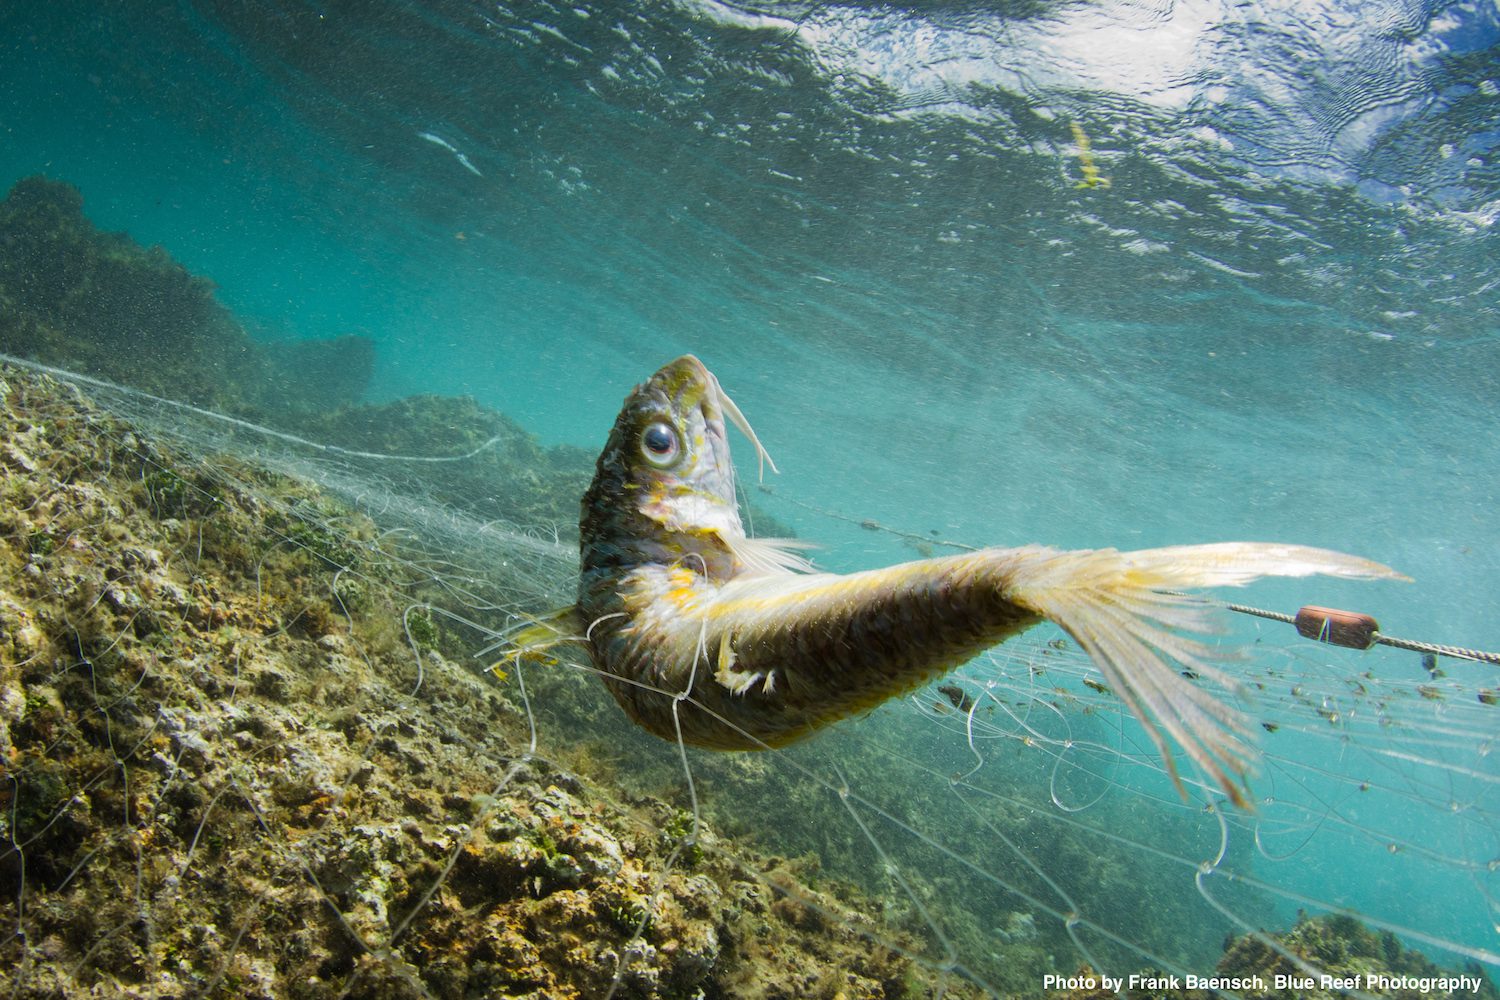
(660, 444)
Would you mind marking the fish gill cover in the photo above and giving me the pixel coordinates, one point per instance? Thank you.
(1083, 274)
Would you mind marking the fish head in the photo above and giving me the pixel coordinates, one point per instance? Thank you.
(663, 489)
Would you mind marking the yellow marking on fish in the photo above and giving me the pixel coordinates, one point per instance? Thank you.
(738, 681)
(682, 584)
(531, 642)
(1091, 176)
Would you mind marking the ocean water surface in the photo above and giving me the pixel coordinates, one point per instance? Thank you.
(1089, 274)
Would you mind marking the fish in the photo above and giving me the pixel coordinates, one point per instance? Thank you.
(714, 639)
(957, 697)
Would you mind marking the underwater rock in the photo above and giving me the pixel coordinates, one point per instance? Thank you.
(333, 372)
(503, 471)
(218, 779)
(1341, 948)
(99, 303)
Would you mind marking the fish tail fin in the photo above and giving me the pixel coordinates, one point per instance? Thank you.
(1123, 608)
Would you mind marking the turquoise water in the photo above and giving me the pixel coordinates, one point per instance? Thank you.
(1280, 320)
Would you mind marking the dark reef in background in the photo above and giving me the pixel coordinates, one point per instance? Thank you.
(74, 296)
(504, 472)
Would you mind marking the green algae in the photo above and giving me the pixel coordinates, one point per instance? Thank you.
(206, 796)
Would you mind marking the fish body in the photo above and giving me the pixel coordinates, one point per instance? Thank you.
(714, 639)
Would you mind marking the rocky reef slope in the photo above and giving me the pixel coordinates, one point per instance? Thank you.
(218, 779)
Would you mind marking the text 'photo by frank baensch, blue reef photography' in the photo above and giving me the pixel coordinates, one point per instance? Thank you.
(690, 500)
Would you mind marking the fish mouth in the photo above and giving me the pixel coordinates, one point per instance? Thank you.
(689, 384)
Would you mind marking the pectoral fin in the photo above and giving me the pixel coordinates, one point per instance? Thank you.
(737, 681)
(532, 641)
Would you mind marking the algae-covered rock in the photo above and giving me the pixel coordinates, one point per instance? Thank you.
(1344, 951)
(1320, 958)
(223, 779)
(498, 468)
(96, 302)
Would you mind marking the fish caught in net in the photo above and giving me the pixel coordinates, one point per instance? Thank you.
(260, 737)
(248, 744)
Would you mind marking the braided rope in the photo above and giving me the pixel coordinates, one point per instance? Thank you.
(1439, 649)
